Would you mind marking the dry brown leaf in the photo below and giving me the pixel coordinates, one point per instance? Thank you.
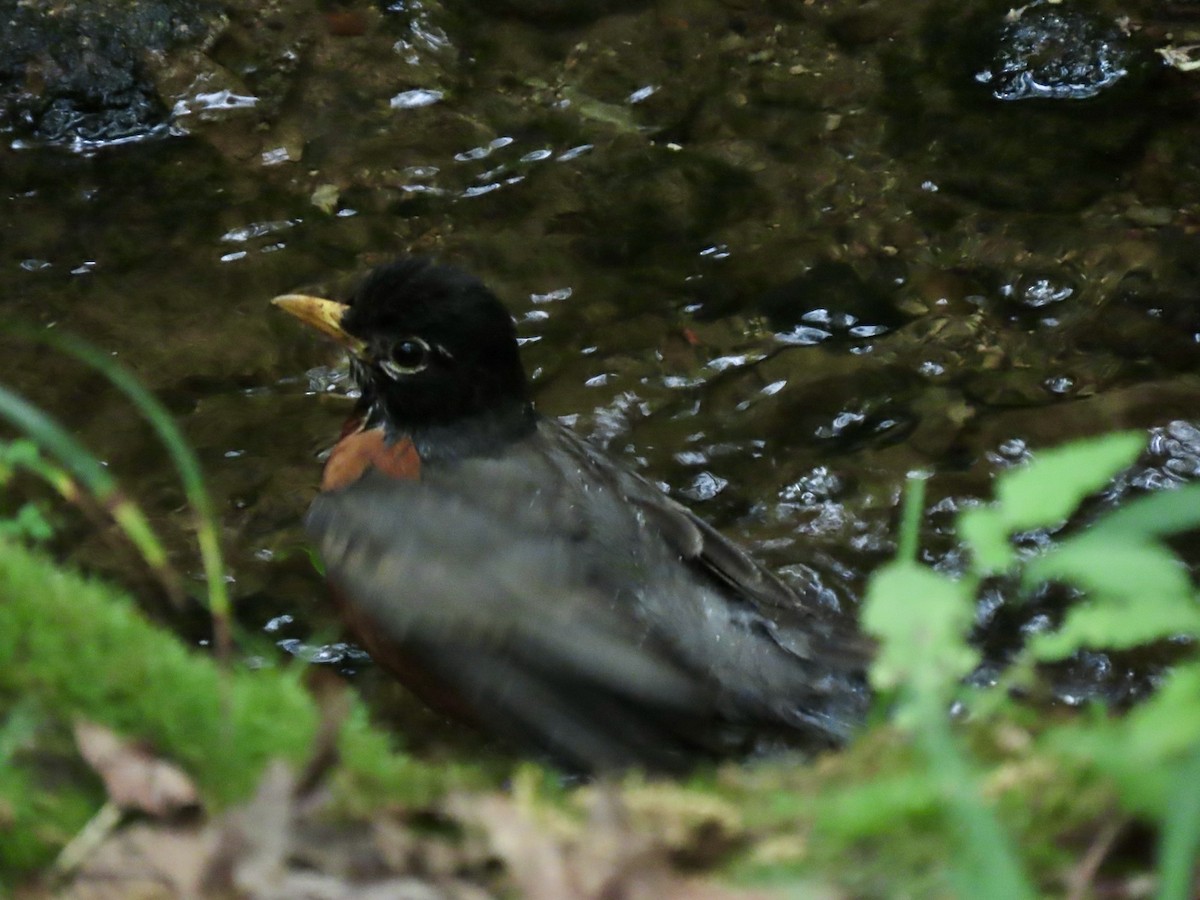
(276, 846)
(607, 857)
(145, 860)
(133, 777)
(536, 860)
(254, 839)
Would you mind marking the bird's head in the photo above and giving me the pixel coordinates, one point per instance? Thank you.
(431, 347)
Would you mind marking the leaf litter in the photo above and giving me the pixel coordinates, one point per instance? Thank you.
(288, 840)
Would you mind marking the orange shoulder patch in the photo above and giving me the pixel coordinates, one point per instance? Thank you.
(362, 450)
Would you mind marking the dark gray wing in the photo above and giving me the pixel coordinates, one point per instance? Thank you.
(793, 619)
(504, 617)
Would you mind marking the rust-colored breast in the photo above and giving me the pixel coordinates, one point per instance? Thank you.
(405, 665)
(361, 450)
(356, 452)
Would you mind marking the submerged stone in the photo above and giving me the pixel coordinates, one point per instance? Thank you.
(1056, 54)
(1044, 109)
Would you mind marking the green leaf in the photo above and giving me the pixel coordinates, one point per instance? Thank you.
(1115, 626)
(1142, 751)
(878, 805)
(920, 617)
(987, 534)
(29, 524)
(1136, 571)
(1166, 726)
(1049, 489)
(1161, 513)
(1105, 749)
(19, 453)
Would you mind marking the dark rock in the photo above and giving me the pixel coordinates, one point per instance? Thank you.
(1056, 54)
(1087, 105)
(77, 73)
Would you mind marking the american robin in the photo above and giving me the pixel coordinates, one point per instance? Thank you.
(518, 577)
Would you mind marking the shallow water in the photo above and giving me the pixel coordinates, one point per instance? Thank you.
(774, 255)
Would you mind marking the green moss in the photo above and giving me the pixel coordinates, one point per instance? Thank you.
(73, 647)
(83, 649)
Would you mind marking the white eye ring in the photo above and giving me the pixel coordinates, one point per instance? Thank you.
(408, 356)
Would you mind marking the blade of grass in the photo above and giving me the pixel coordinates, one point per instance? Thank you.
(24, 454)
(87, 471)
(186, 464)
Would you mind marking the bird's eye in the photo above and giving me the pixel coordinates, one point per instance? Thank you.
(409, 355)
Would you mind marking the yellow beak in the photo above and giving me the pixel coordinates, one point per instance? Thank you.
(323, 315)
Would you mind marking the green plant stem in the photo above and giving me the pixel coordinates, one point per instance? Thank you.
(1180, 840)
(995, 873)
(910, 516)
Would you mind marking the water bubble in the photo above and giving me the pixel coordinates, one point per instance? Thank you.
(415, 99)
(553, 296)
(574, 153)
(482, 189)
(643, 93)
(420, 173)
(691, 458)
(258, 229)
(1059, 384)
(277, 623)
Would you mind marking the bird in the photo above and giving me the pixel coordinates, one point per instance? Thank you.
(521, 579)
